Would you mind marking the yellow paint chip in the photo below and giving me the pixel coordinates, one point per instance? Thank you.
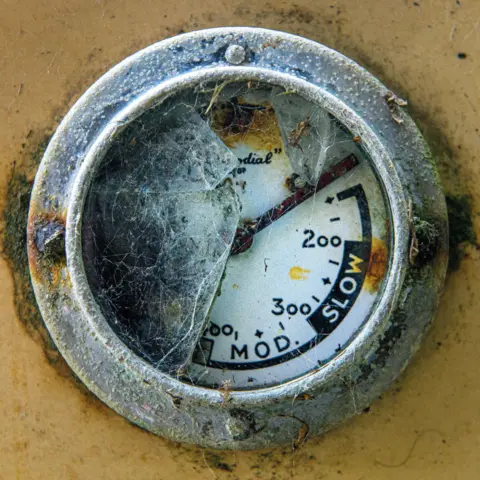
(298, 273)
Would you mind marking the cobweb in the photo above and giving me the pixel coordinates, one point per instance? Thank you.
(307, 141)
(163, 209)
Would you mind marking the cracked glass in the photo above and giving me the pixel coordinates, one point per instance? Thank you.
(236, 236)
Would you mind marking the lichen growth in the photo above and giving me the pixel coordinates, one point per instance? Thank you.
(461, 228)
(14, 247)
(215, 460)
(427, 237)
(14, 251)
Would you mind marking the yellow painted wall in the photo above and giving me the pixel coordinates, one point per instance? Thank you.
(428, 425)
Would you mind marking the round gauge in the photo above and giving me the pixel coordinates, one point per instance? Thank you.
(262, 227)
(237, 238)
(299, 281)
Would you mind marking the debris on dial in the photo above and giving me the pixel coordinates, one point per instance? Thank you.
(307, 132)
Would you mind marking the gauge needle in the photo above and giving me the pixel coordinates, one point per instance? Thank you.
(244, 235)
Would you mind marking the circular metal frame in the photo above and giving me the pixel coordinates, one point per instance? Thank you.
(263, 417)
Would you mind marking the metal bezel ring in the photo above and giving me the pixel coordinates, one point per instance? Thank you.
(270, 416)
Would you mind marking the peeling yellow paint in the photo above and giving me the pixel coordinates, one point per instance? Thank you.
(355, 262)
(298, 273)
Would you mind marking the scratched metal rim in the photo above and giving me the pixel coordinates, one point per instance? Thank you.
(85, 300)
(134, 388)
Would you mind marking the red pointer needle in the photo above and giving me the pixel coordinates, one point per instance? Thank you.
(244, 235)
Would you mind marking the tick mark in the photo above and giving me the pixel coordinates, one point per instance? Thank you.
(236, 335)
(333, 262)
(326, 281)
(329, 200)
(315, 298)
(335, 219)
(281, 325)
(258, 334)
(297, 342)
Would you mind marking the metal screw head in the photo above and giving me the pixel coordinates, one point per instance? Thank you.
(235, 54)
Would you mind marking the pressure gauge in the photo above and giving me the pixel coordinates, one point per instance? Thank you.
(237, 238)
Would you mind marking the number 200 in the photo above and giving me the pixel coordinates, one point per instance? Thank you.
(322, 240)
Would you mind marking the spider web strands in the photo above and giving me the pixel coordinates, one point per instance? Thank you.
(308, 133)
(244, 235)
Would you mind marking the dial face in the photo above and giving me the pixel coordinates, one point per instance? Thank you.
(240, 242)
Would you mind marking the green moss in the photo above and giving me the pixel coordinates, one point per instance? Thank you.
(434, 164)
(461, 227)
(427, 238)
(215, 460)
(14, 249)
(15, 213)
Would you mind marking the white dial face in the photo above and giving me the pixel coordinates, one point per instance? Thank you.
(296, 297)
(240, 242)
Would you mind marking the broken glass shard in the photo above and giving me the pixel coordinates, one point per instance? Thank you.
(169, 148)
(164, 205)
(158, 224)
(307, 131)
(155, 264)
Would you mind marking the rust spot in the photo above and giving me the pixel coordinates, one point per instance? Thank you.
(46, 247)
(273, 44)
(238, 122)
(356, 139)
(14, 251)
(302, 432)
(301, 437)
(305, 396)
(39, 220)
(377, 266)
